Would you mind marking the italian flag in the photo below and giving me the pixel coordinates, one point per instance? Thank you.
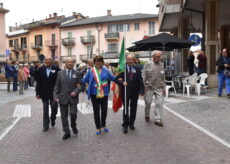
(117, 98)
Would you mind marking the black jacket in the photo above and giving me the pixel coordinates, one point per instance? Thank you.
(135, 85)
(45, 85)
(220, 63)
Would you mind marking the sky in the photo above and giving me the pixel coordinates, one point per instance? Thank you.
(24, 11)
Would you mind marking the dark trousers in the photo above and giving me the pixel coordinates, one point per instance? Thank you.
(100, 104)
(64, 116)
(129, 116)
(15, 83)
(54, 108)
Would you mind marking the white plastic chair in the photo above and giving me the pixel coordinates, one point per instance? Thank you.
(191, 82)
(203, 77)
(168, 87)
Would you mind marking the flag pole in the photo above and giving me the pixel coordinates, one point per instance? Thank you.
(125, 86)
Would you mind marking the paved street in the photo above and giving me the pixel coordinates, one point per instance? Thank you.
(178, 142)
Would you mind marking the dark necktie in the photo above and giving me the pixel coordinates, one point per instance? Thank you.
(69, 75)
(130, 73)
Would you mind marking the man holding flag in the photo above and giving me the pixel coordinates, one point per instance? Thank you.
(134, 86)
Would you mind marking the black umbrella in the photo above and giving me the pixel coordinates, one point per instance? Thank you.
(141, 47)
(165, 41)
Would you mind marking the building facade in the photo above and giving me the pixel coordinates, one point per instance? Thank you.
(82, 39)
(2, 34)
(209, 17)
(28, 42)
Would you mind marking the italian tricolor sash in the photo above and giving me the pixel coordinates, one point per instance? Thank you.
(99, 83)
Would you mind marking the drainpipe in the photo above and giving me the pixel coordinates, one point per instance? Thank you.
(99, 29)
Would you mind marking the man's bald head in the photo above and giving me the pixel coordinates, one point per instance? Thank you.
(48, 61)
(130, 60)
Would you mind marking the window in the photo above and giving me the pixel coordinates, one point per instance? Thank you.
(15, 42)
(136, 26)
(118, 28)
(38, 40)
(126, 27)
(112, 28)
(69, 52)
(151, 28)
(53, 39)
(69, 34)
(113, 47)
(23, 42)
(53, 54)
(11, 43)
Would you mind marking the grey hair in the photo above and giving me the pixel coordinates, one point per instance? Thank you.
(130, 55)
(156, 52)
(69, 59)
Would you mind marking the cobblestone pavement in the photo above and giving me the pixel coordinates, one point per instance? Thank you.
(176, 143)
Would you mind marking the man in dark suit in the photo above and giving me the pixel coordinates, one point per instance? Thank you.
(8, 74)
(66, 91)
(134, 87)
(46, 79)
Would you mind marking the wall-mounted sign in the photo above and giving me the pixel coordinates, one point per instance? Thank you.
(196, 39)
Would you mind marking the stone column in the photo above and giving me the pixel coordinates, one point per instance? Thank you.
(211, 7)
(183, 32)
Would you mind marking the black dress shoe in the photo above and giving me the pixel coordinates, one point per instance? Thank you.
(131, 127)
(52, 123)
(125, 130)
(45, 129)
(66, 136)
(159, 123)
(75, 131)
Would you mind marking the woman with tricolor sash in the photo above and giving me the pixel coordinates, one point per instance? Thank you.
(98, 79)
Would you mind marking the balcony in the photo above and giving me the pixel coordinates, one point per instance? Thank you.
(36, 46)
(88, 39)
(69, 42)
(110, 55)
(112, 36)
(15, 48)
(24, 47)
(33, 58)
(63, 58)
(85, 57)
(51, 43)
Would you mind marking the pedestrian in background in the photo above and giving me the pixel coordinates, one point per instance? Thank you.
(21, 79)
(220, 70)
(8, 74)
(190, 63)
(66, 92)
(32, 70)
(154, 81)
(98, 79)
(227, 71)
(134, 88)
(27, 73)
(202, 63)
(15, 75)
(46, 79)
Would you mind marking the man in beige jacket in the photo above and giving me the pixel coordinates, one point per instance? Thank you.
(154, 80)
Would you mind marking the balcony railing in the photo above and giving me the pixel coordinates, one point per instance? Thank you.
(24, 47)
(68, 41)
(112, 36)
(51, 43)
(63, 58)
(33, 58)
(37, 46)
(15, 48)
(88, 39)
(85, 57)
